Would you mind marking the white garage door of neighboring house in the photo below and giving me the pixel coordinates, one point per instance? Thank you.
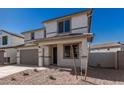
(29, 57)
(1, 57)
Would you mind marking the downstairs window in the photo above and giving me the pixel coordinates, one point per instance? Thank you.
(71, 50)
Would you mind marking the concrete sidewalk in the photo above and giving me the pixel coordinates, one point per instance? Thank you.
(8, 70)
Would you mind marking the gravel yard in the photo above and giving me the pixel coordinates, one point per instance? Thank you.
(106, 76)
(64, 76)
(50, 76)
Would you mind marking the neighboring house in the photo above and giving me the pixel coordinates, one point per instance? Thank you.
(107, 55)
(8, 43)
(53, 44)
(107, 47)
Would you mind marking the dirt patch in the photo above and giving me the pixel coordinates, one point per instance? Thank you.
(64, 76)
(50, 76)
(104, 76)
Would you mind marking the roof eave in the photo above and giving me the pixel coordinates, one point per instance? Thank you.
(32, 30)
(85, 11)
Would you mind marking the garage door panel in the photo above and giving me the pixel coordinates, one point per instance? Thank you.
(29, 57)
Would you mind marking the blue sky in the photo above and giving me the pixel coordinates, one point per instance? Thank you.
(107, 24)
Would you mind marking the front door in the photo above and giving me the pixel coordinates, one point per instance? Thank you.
(55, 55)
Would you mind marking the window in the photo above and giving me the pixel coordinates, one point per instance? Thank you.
(45, 33)
(32, 36)
(76, 51)
(64, 26)
(60, 24)
(5, 40)
(69, 51)
(67, 26)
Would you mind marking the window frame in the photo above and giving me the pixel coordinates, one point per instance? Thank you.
(69, 25)
(33, 34)
(71, 57)
(63, 20)
(3, 38)
(64, 51)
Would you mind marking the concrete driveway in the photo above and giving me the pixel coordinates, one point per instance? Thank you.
(8, 70)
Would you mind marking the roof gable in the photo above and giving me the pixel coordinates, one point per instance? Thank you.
(85, 11)
(11, 33)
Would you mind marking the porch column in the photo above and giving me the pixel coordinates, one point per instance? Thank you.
(5, 56)
(46, 55)
(40, 56)
(84, 54)
(18, 57)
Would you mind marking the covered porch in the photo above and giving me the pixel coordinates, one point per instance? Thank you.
(58, 51)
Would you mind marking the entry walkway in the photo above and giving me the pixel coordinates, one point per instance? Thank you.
(8, 70)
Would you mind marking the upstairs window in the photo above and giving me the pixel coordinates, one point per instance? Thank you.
(67, 26)
(64, 26)
(60, 27)
(5, 40)
(45, 33)
(32, 36)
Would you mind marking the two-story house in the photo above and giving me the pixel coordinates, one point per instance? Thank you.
(61, 41)
(8, 43)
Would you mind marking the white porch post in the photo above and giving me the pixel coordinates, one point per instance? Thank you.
(18, 57)
(84, 54)
(40, 55)
(46, 55)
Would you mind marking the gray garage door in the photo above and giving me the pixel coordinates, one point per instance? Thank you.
(29, 57)
(1, 57)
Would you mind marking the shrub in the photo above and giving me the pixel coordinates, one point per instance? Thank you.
(51, 77)
(36, 70)
(25, 74)
(13, 79)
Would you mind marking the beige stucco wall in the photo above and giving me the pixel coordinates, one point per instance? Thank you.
(17, 41)
(38, 35)
(47, 56)
(79, 24)
(79, 21)
(27, 36)
(67, 62)
(104, 59)
(10, 52)
(51, 28)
